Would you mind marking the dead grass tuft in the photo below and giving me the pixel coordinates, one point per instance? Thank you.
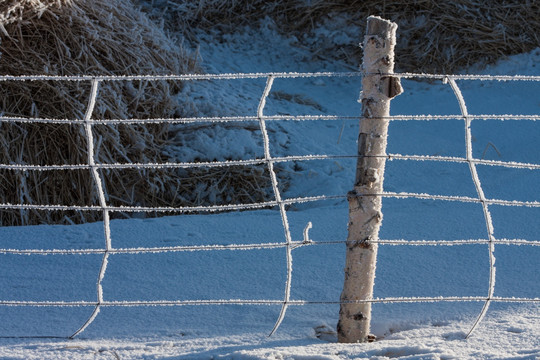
(433, 36)
(69, 37)
(94, 37)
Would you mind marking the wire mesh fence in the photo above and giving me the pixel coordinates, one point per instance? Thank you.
(279, 201)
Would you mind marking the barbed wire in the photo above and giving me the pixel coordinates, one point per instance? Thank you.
(289, 244)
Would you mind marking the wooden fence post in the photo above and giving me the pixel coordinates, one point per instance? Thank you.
(365, 215)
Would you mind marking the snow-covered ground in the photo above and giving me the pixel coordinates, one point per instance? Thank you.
(404, 330)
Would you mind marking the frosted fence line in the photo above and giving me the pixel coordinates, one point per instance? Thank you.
(388, 300)
(289, 244)
(282, 75)
(508, 164)
(260, 205)
(218, 119)
(293, 244)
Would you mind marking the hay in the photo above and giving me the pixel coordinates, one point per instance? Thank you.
(433, 36)
(95, 37)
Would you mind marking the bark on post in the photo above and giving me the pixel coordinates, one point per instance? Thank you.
(365, 215)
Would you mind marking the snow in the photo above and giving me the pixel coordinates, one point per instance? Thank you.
(422, 330)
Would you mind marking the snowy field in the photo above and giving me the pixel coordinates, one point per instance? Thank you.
(404, 330)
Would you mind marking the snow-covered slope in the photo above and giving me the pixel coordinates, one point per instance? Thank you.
(407, 331)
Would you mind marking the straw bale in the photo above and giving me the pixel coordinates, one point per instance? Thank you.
(94, 37)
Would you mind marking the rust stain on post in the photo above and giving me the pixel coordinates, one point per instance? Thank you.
(365, 216)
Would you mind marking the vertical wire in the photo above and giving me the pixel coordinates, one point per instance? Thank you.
(282, 211)
(102, 203)
(481, 197)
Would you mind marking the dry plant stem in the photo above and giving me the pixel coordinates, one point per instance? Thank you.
(365, 214)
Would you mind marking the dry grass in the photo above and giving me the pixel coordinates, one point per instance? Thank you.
(448, 36)
(99, 37)
(68, 37)
(433, 36)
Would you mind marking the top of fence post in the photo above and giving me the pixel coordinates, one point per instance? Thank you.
(378, 88)
(365, 217)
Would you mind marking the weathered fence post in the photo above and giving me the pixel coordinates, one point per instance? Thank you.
(365, 215)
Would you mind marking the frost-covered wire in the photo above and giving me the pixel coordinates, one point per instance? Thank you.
(102, 203)
(182, 77)
(261, 205)
(443, 77)
(481, 197)
(271, 302)
(261, 246)
(235, 76)
(226, 119)
(257, 161)
(181, 120)
(507, 164)
(277, 195)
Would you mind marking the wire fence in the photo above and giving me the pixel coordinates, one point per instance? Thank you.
(279, 201)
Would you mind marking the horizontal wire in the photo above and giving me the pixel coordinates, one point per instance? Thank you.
(409, 75)
(260, 246)
(224, 119)
(532, 117)
(265, 204)
(185, 77)
(458, 242)
(203, 119)
(145, 249)
(181, 209)
(465, 199)
(173, 165)
(264, 301)
(234, 76)
(507, 164)
(24, 167)
(404, 242)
